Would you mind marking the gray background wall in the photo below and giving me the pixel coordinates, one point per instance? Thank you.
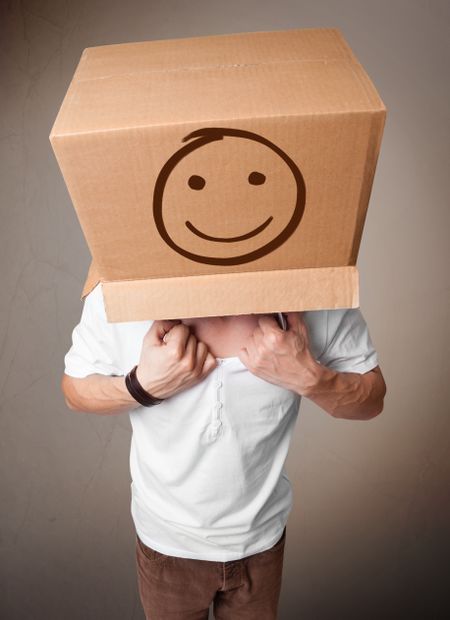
(368, 535)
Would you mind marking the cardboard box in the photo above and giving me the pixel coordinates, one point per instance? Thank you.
(218, 175)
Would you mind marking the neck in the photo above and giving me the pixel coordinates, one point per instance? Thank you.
(223, 335)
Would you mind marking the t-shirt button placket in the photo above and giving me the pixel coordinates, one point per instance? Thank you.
(216, 422)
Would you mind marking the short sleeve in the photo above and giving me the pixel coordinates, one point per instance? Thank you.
(349, 346)
(94, 347)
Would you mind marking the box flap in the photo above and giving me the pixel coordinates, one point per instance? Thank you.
(232, 294)
(92, 279)
(157, 83)
(214, 51)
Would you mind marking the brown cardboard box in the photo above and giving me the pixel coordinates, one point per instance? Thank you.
(218, 175)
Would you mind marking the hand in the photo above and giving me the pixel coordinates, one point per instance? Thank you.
(281, 357)
(172, 359)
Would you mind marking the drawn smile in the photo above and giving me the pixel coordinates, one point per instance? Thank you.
(248, 235)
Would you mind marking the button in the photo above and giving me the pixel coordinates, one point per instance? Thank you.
(219, 384)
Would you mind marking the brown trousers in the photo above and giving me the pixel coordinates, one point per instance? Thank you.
(173, 588)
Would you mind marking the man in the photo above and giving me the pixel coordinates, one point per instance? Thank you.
(210, 497)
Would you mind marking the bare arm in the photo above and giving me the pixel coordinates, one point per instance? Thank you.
(348, 395)
(284, 358)
(102, 394)
(165, 368)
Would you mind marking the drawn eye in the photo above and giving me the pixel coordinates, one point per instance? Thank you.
(196, 182)
(256, 178)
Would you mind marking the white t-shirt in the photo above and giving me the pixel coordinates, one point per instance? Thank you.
(207, 465)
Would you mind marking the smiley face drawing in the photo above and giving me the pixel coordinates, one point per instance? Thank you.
(191, 215)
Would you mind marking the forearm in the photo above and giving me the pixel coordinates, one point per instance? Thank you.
(347, 395)
(101, 394)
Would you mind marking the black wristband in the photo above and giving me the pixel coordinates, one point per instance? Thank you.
(137, 391)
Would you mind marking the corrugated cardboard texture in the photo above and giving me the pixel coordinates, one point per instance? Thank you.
(142, 123)
(265, 292)
(215, 78)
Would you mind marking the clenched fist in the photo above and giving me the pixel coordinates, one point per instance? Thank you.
(281, 357)
(172, 359)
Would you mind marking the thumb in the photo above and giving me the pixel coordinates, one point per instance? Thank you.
(293, 320)
(158, 330)
(244, 357)
(297, 322)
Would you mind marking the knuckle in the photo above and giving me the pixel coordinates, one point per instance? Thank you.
(183, 364)
(175, 354)
(187, 363)
(182, 329)
(261, 350)
(209, 364)
(259, 358)
(197, 371)
(274, 339)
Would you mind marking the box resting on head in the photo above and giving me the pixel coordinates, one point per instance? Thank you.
(219, 175)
